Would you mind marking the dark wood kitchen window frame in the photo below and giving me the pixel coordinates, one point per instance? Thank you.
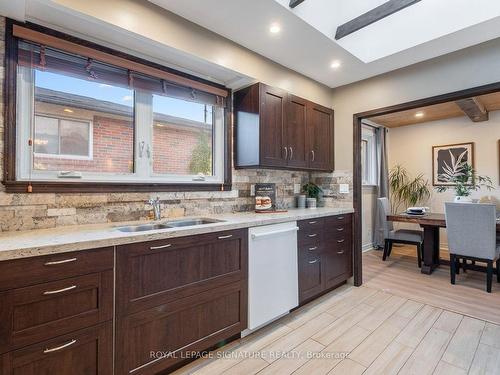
(137, 64)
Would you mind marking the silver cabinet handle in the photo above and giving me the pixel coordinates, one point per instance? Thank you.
(55, 349)
(313, 261)
(312, 222)
(340, 241)
(56, 262)
(340, 229)
(48, 292)
(291, 153)
(340, 252)
(313, 156)
(224, 237)
(160, 247)
(286, 152)
(340, 218)
(313, 248)
(312, 235)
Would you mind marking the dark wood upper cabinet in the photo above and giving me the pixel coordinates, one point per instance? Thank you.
(320, 136)
(275, 129)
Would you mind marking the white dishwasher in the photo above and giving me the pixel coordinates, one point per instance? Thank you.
(273, 286)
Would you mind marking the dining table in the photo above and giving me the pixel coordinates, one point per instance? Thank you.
(430, 223)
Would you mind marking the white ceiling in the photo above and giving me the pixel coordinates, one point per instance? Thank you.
(306, 42)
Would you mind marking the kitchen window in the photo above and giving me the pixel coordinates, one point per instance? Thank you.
(369, 164)
(79, 119)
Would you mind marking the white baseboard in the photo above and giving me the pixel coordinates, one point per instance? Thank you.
(367, 247)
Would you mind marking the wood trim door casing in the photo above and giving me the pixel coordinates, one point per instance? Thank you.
(9, 177)
(357, 184)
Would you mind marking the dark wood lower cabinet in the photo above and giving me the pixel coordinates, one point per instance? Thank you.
(325, 254)
(85, 352)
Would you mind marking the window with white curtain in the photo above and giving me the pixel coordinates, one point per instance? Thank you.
(369, 165)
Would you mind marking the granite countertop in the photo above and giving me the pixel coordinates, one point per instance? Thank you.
(30, 243)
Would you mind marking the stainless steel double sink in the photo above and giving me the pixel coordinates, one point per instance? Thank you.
(167, 225)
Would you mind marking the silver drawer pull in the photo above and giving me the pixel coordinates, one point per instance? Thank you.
(160, 247)
(56, 262)
(224, 237)
(312, 235)
(340, 252)
(313, 248)
(48, 292)
(340, 218)
(340, 229)
(340, 241)
(312, 222)
(46, 351)
(313, 261)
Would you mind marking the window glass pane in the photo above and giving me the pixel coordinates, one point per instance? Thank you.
(183, 134)
(75, 137)
(95, 131)
(46, 135)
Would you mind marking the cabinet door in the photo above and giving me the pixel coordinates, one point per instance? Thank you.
(272, 135)
(310, 276)
(295, 130)
(85, 352)
(337, 250)
(320, 137)
(156, 272)
(154, 340)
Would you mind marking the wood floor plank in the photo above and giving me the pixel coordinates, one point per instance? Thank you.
(448, 321)
(460, 351)
(486, 361)
(491, 335)
(409, 309)
(370, 349)
(391, 360)
(426, 356)
(296, 359)
(350, 302)
(381, 313)
(249, 366)
(348, 366)
(336, 329)
(444, 368)
(296, 337)
(377, 299)
(417, 328)
(334, 353)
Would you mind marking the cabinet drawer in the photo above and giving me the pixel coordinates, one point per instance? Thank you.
(42, 311)
(85, 352)
(311, 224)
(156, 272)
(192, 323)
(31, 271)
(337, 221)
(310, 250)
(311, 237)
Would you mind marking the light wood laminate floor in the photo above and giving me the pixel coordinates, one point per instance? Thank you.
(362, 330)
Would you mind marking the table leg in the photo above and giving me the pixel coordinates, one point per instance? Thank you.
(431, 249)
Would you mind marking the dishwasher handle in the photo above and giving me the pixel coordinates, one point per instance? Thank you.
(256, 236)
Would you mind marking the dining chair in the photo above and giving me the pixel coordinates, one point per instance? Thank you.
(401, 236)
(472, 236)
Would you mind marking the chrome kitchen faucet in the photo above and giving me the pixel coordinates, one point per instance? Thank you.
(156, 207)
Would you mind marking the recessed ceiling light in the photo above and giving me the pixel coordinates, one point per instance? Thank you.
(335, 64)
(68, 110)
(275, 28)
(419, 114)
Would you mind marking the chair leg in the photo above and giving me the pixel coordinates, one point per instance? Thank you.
(453, 265)
(489, 276)
(458, 266)
(386, 250)
(419, 255)
(498, 270)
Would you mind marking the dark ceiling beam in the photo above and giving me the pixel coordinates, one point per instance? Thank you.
(474, 109)
(374, 15)
(294, 3)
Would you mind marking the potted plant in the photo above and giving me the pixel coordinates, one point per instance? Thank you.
(405, 190)
(465, 180)
(312, 192)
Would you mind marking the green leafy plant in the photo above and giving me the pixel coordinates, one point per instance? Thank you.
(201, 161)
(405, 190)
(464, 178)
(312, 190)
